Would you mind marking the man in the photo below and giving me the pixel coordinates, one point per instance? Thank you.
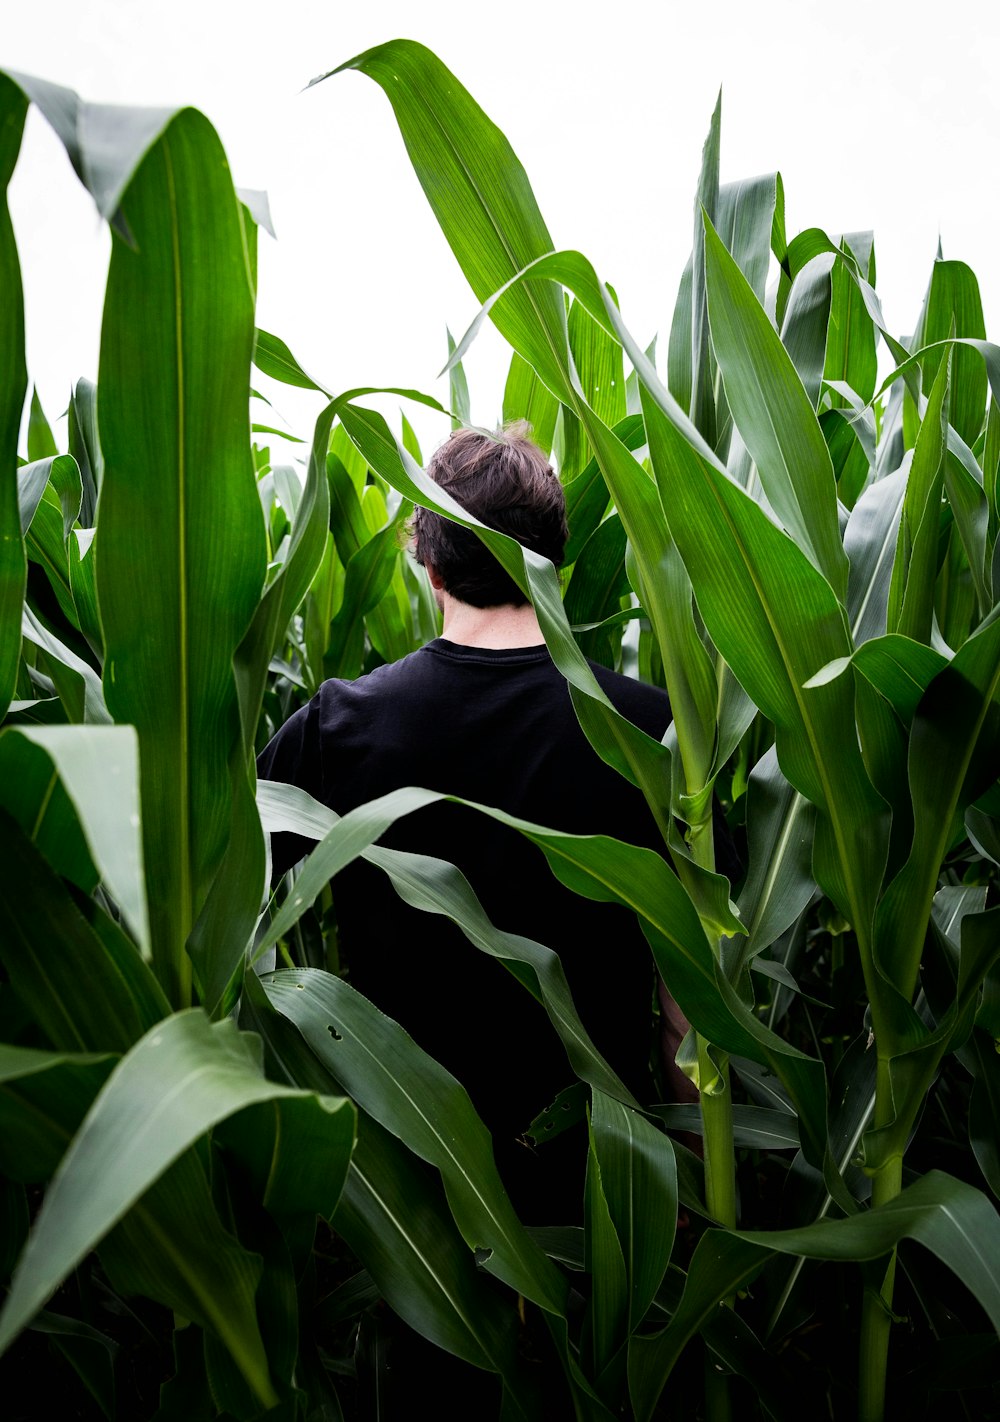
(482, 713)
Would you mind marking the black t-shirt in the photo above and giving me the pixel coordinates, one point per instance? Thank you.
(497, 727)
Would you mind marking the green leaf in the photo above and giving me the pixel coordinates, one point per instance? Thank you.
(526, 398)
(606, 1325)
(779, 882)
(702, 358)
(870, 543)
(75, 680)
(41, 441)
(169, 666)
(479, 193)
(53, 941)
(850, 344)
(99, 769)
(805, 320)
(458, 391)
(911, 591)
(954, 307)
(13, 386)
(601, 868)
(176, 1083)
(639, 1181)
(598, 360)
(773, 414)
(272, 356)
(394, 1215)
(43, 1098)
(951, 1219)
(85, 446)
(415, 1098)
(953, 757)
(776, 622)
(395, 1221)
(105, 143)
(430, 884)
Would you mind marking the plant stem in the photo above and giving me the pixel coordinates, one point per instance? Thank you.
(876, 1313)
(717, 1119)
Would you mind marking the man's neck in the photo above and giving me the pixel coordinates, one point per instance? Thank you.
(495, 627)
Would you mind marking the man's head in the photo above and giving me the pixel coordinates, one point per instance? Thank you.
(506, 482)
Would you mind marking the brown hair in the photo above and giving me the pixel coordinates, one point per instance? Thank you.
(506, 482)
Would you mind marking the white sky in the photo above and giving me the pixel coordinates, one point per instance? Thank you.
(877, 115)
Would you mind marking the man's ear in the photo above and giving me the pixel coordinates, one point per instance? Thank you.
(437, 582)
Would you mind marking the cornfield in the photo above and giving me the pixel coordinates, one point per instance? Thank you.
(207, 1210)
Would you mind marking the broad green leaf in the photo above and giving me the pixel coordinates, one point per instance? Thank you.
(81, 564)
(606, 1323)
(963, 484)
(526, 398)
(603, 869)
(78, 685)
(754, 1127)
(597, 587)
(984, 1106)
(679, 343)
(13, 386)
(171, 407)
(85, 448)
(61, 474)
(395, 1221)
(176, 1083)
(99, 769)
(850, 343)
(395, 1217)
(598, 360)
(639, 1182)
(805, 321)
(53, 941)
(953, 757)
(587, 493)
(173, 1246)
(43, 1098)
(479, 193)
(272, 356)
(954, 307)
(744, 219)
(408, 1093)
(458, 392)
(771, 615)
(870, 543)
(702, 358)
(41, 442)
(899, 669)
(951, 1219)
(773, 414)
(429, 884)
(105, 143)
(911, 591)
(368, 576)
(779, 882)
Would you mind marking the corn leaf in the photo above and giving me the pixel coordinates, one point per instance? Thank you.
(168, 669)
(174, 1085)
(13, 385)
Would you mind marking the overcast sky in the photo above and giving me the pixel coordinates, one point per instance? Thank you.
(877, 115)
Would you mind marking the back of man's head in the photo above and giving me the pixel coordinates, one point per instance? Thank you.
(506, 482)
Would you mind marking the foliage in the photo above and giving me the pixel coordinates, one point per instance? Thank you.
(805, 557)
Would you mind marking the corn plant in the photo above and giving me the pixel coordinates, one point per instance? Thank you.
(803, 556)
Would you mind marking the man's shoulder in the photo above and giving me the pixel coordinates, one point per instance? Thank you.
(381, 680)
(634, 698)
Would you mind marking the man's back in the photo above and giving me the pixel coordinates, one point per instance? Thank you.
(494, 726)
